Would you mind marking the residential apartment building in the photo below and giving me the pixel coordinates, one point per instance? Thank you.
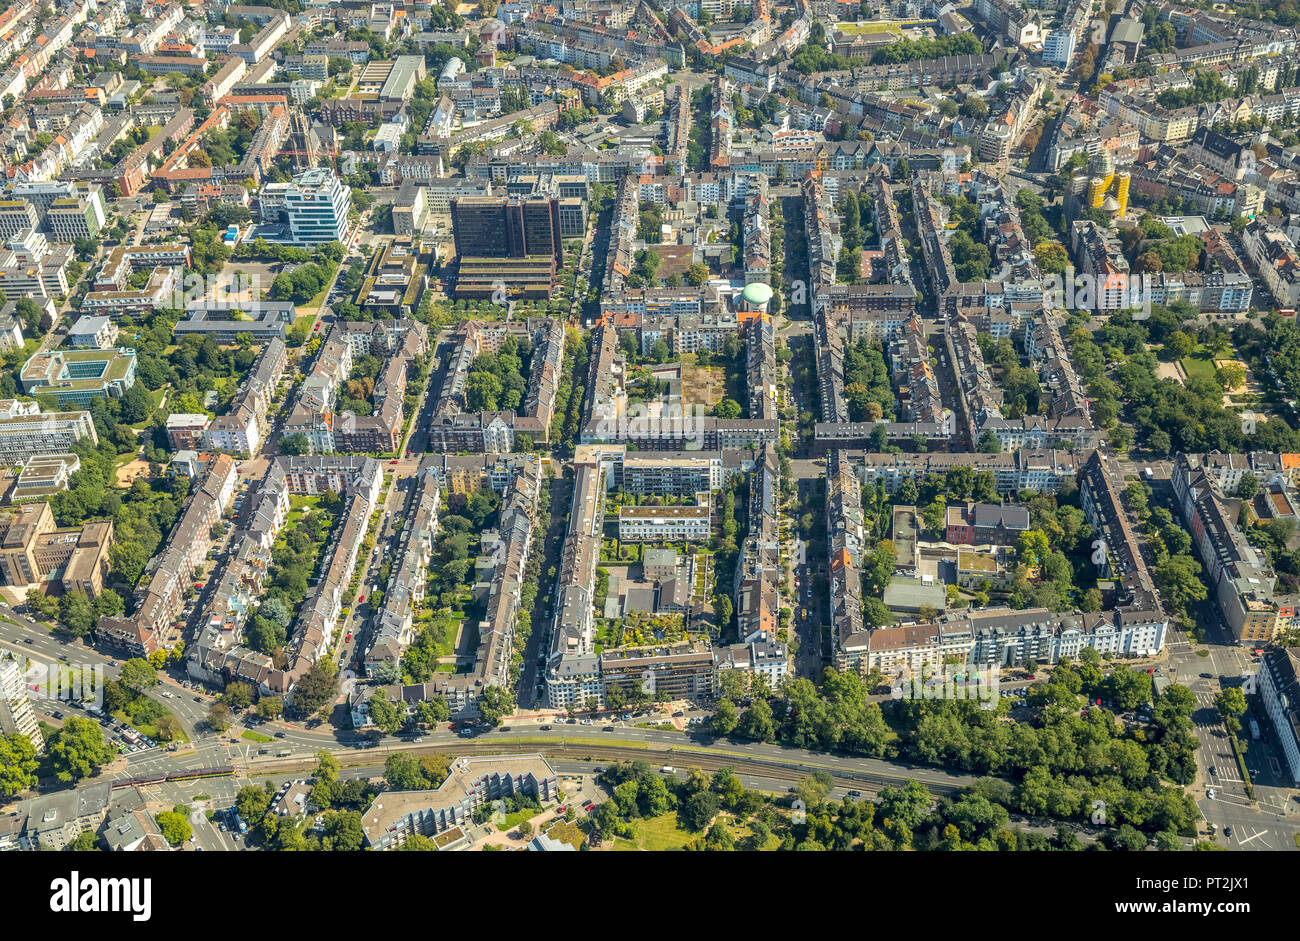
(16, 714)
(1278, 688)
(25, 430)
(472, 783)
(664, 523)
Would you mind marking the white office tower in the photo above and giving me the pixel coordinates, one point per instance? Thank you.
(317, 205)
(16, 715)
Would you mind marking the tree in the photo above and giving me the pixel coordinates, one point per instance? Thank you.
(933, 515)
(1248, 486)
(1033, 548)
(402, 772)
(270, 707)
(697, 810)
(1231, 702)
(343, 833)
(167, 726)
(317, 689)
(175, 828)
(483, 392)
(295, 444)
(727, 408)
(526, 829)
(109, 603)
(496, 702)
(77, 613)
(759, 836)
(1051, 256)
(139, 675)
(238, 696)
(1230, 375)
(86, 842)
(814, 789)
(78, 750)
(1179, 577)
(725, 717)
(1178, 345)
(875, 613)
(220, 716)
(384, 714)
(719, 838)
(757, 722)
(697, 275)
(1126, 839)
(18, 764)
(432, 711)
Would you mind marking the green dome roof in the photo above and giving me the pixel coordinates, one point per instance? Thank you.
(757, 293)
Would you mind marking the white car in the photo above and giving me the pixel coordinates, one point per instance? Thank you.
(1209, 792)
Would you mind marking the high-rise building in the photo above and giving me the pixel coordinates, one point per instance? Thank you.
(25, 430)
(16, 715)
(15, 216)
(507, 227)
(316, 205)
(77, 217)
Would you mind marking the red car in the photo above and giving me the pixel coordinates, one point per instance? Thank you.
(316, 326)
(393, 461)
(361, 599)
(349, 638)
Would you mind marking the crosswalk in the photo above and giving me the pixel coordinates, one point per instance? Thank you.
(1226, 771)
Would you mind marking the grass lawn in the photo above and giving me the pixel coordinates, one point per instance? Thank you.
(655, 835)
(1199, 366)
(318, 300)
(257, 737)
(857, 29)
(148, 728)
(518, 817)
(156, 397)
